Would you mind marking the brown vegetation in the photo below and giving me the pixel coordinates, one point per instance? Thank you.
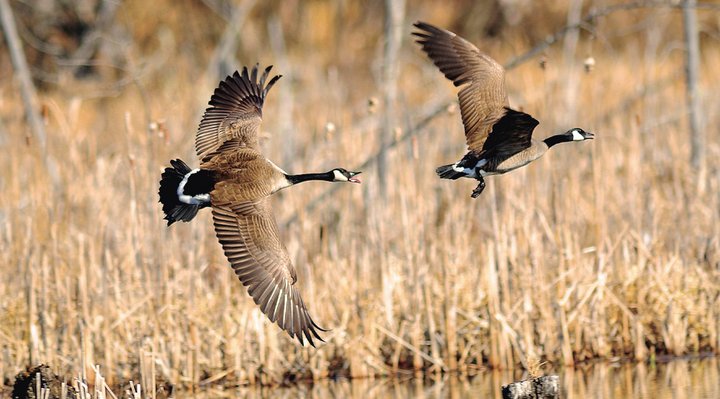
(606, 250)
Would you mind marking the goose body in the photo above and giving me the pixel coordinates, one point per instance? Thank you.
(499, 138)
(236, 181)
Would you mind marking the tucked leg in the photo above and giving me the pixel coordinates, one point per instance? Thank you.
(480, 187)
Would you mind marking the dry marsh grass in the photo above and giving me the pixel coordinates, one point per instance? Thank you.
(604, 249)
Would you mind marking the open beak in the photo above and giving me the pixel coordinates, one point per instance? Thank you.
(354, 179)
(589, 136)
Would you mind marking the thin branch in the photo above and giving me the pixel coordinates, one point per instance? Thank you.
(589, 19)
(218, 67)
(27, 89)
(692, 72)
(89, 45)
(394, 17)
(286, 100)
(418, 128)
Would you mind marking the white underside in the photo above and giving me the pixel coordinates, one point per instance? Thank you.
(471, 172)
(198, 199)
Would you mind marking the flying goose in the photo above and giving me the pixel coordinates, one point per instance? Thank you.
(236, 181)
(499, 138)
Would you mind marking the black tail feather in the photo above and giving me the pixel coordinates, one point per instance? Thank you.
(172, 207)
(447, 172)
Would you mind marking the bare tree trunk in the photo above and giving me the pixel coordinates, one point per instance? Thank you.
(569, 52)
(223, 59)
(286, 101)
(692, 71)
(27, 89)
(394, 16)
(92, 41)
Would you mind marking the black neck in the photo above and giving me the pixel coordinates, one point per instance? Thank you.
(556, 139)
(295, 179)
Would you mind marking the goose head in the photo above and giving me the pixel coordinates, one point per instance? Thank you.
(343, 175)
(577, 134)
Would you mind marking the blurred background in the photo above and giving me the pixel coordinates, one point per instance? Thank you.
(608, 249)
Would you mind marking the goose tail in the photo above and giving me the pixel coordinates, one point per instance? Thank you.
(449, 172)
(172, 206)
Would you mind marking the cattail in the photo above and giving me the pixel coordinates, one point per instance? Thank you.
(372, 105)
(589, 64)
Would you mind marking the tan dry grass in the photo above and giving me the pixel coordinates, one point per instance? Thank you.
(603, 249)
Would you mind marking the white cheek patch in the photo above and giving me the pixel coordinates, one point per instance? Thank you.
(339, 176)
(577, 136)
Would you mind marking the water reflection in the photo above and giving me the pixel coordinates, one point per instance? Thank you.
(679, 379)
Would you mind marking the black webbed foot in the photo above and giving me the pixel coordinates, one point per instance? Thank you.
(479, 189)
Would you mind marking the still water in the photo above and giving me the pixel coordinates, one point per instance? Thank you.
(677, 379)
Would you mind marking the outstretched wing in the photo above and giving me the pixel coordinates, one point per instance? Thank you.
(235, 112)
(249, 236)
(483, 97)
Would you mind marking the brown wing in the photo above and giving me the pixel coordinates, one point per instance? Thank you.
(249, 236)
(483, 98)
(235, 112)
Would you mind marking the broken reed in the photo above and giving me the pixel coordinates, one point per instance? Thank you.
(602, 250)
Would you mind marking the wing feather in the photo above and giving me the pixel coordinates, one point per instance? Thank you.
(483, 97)
(517, 128)
(249, 236)
(234, 115)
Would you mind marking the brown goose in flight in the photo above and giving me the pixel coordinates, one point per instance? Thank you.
(236, 181)
(499, 139)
